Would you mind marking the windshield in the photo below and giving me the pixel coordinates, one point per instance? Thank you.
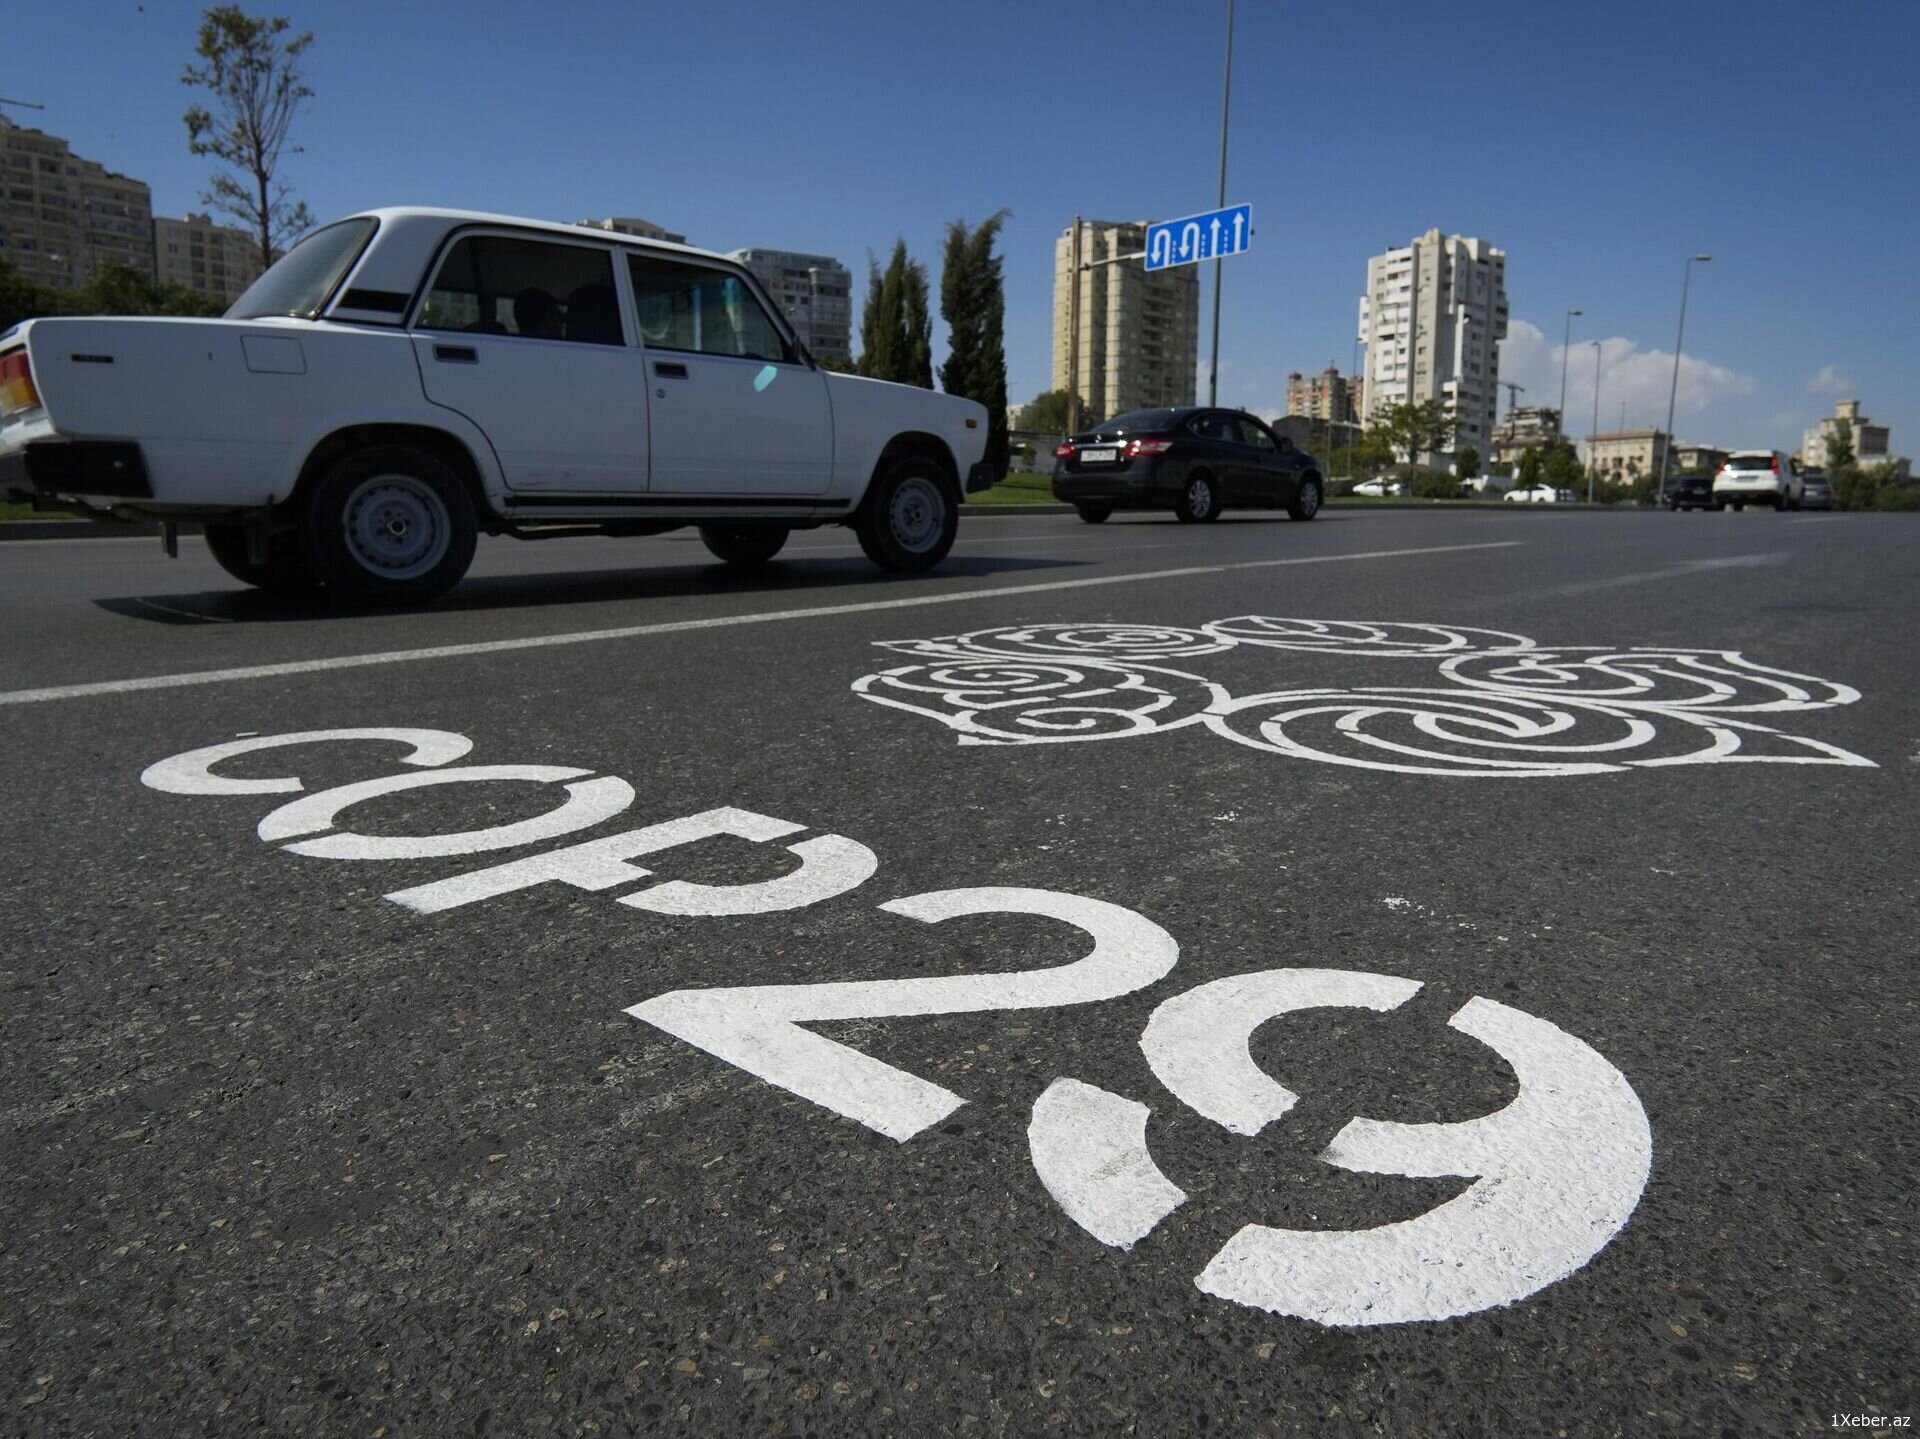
(299, 282)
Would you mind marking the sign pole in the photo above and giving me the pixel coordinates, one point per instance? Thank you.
(1226, 97)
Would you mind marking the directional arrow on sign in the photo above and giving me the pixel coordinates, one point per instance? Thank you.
(1193, 238)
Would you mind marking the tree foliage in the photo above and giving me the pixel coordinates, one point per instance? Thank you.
(1840, 449)
(1421, 428)
(896, 328)
(1046, 412)
(254, 85)
(1466, 462)
(973, 303)
(1533, 468)
(1371, 453)
(1561, 466)
(113, 290)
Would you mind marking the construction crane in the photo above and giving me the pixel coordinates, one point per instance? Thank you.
(23, 104)
(1514, 392)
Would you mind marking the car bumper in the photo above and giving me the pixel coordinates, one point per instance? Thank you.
(1750, 490)
(1129, 486)
(1816, 502)
(87, 469)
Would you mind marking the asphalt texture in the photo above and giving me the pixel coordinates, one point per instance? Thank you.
(283, 1156)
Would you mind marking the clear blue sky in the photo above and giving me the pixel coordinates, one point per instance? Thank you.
(1597, 143)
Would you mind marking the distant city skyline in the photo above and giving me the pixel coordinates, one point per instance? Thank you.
(1622, 180)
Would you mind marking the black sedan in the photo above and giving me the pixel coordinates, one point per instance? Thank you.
(1193, 461)
(1690, 492)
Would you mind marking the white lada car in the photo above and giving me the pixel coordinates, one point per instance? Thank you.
(406, 379)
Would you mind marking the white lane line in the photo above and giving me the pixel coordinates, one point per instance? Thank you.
(581, 637)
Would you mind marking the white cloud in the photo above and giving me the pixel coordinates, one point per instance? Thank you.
(1639, 378)
(1830, 381)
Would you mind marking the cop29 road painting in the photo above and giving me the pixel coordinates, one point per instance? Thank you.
(1556, 1173)
(1482, 703)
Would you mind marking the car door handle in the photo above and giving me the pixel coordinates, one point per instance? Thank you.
(456, 354)
(670, 369)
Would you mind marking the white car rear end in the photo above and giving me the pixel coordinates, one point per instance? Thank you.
(1762, 477)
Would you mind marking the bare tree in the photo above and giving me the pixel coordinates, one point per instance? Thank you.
(253, 76)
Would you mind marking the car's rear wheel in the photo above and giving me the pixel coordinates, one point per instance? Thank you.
(390, 525)
(744, 546)
(285, 569)
(1306, 504)
(910, 516)
(1095, 514)
(1200, 501)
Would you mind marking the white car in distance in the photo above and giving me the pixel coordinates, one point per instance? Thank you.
(1761, 477)
(406, 379)
(1540, 495)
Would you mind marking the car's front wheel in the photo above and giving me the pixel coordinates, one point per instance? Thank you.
(1094, 514)
(285, 569)
(1199, 501)
(390, 525)
(910, 516)
(744, 546)
(1306, 504)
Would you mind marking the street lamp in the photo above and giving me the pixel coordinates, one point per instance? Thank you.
(1566, 339)
(1673, 389)
(1593, 460)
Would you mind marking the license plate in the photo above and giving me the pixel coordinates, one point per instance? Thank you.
(1098, 457)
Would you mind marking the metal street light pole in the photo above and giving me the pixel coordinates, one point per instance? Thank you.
(1226, 96)
(1673, 389)
(1593, 462)
(1073, 330)
(1566, 339)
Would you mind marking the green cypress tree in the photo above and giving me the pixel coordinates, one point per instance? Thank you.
(973, 303)
(896, 335)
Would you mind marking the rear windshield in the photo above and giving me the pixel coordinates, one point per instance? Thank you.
(299, 282)
(1760, 461)
(1135, 421)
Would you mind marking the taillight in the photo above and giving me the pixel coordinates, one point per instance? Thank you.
(1148, 447)
(1776, 464)
(1062, 450)
(16, 383)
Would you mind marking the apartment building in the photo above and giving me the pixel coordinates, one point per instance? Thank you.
(634, 225)
(815, 292)
(218, 261)
(63, 216)
(1526, 427)
(1871, 443)
(1432, 319)
(1139, 335)
(1623, 456)
(1328, 395)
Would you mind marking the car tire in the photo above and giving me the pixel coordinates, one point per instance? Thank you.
(1306, 503)
(287, 569)
(390, 525)
(910, 516)
(1199, 501)
(1094, 514)
(744, 547)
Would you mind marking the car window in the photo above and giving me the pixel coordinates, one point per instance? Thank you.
(1252, 432)
(1215, 427)
(536, 289)
(702, 310)
(299, 282)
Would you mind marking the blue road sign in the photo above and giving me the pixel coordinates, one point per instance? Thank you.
(1199, 237)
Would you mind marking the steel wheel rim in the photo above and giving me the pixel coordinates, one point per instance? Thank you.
(917, 515)
(396, 527)
(1309, 498)
(1200, 497)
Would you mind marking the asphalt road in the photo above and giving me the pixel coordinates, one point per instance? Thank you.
(1467, 1014)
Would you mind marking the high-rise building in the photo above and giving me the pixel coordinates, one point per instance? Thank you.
(815, 292)
(63, 217)
(1139, 331)
(214, 260)
(1870, 441)
(634, 225)
(1328, 395)
(1432, 318)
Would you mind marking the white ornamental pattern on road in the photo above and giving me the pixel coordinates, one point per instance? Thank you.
(1495, 705)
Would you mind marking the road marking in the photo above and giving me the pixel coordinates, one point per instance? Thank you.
(533, 642)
